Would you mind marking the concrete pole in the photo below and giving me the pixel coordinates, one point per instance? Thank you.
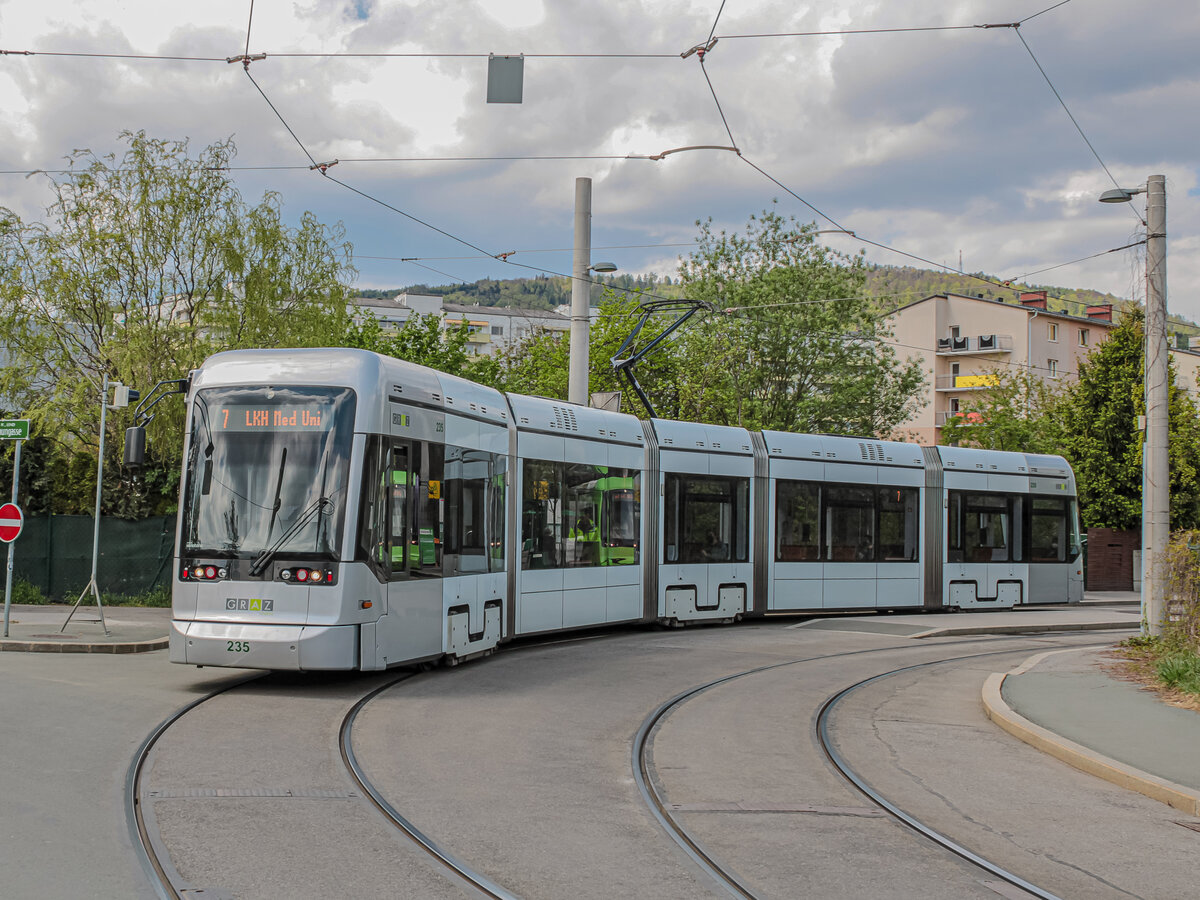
(577, 371)
(1156, 499)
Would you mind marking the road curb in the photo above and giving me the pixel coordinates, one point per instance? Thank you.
(1083, 758)
(9, 645)
(954, 631)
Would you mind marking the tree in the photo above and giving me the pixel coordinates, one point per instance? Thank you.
(795, 346)
(1017, 411)
(420, 339)
(147, 264)
(1101, 439)
(539, 364)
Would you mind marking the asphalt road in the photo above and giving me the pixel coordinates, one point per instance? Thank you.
(521, 766)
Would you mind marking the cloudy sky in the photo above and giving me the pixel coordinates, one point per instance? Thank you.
(939, 143)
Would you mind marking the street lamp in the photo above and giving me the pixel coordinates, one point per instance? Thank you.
(1156, 498)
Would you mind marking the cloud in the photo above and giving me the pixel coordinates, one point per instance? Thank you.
(934, 142)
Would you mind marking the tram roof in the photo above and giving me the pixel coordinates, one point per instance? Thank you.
(572, 420)
(836, 448)
(973, 459)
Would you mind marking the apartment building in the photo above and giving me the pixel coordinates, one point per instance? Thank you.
(962, 341)
(490, 327)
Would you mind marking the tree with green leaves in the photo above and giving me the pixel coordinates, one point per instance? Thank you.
(420, 339)
(794, 345)
(146, 264)
(1017, 411)
(1101, 439)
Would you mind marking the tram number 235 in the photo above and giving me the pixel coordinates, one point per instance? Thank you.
(237, 646)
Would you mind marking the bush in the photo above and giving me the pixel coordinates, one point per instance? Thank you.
(1181, 571)
(1180, 671)
(25, 592)
(158, 596)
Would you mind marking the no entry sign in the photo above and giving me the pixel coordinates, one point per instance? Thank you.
(11, 520)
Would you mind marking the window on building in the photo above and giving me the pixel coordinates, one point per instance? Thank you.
(954, 331)
(1083, 337)
(1052, 331)
(954, 368)
(1052, 368)
(953, 404)
(498, 329)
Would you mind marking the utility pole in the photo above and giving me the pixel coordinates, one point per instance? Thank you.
(1156, 498)
(577, 370)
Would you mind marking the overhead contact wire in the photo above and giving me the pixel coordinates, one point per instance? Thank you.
(279, 116)
(1074, 122)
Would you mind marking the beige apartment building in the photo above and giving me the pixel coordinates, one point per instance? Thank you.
(961, 341)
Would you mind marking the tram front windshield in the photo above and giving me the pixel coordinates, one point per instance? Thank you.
(267, 471)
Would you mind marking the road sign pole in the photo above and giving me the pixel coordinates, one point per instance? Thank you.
(8, 576)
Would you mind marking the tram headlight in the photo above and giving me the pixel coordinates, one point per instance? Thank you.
(286, 574)
(222, 573)
(316, 576)
(302, 574)
(210, 572)
(198, 572)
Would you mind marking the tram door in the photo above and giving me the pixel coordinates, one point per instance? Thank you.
(406, 555)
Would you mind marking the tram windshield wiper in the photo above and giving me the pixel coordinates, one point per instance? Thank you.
(320, 505)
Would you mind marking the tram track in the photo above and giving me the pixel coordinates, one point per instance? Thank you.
(732, 882)
(167, 883)
(157, 869)
(456, 867)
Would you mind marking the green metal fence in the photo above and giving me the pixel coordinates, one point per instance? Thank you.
(54, 554)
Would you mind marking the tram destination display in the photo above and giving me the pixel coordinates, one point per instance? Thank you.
(307, 415)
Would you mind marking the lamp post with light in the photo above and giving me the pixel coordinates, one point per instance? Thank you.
(1156, 497)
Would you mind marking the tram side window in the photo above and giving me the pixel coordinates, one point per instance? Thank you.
(980, 528)
(797, 521)
(497, 521)
(849, 524)
(541, 515)
(1050, 529)
(576, 515)
(706, 519)
(427, 498)
(621, 518)
(382, 533)
(898, 524)
(466, 487)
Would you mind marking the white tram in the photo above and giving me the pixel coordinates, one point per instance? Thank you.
(344, 510)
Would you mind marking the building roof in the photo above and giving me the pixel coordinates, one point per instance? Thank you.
(510, 311)
(458, 308)
(1041, 312)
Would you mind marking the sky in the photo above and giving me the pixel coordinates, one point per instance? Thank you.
(945, 144)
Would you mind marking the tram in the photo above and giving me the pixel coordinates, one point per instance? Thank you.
(344, 510)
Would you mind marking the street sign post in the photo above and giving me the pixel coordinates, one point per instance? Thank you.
(12, 430)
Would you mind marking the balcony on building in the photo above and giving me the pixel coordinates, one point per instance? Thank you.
(974, 345)
(941, 418)
(965, 382)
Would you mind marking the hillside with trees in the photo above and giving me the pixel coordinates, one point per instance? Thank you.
(891, 286)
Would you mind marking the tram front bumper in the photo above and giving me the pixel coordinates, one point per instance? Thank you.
(252, 646)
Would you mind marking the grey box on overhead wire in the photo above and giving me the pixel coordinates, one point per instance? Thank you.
(505, 77)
